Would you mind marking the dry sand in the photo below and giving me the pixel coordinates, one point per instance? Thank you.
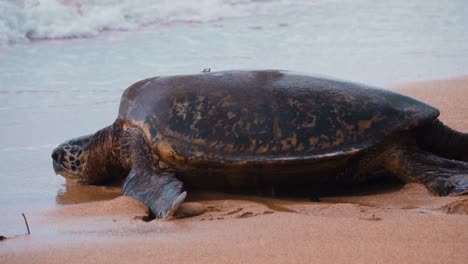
(391, 225)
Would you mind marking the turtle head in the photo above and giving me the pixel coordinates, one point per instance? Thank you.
(69, 158)
(93, 159)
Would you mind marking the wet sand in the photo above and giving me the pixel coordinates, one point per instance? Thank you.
(396, 224)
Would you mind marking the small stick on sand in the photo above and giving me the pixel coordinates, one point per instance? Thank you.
(26, 221)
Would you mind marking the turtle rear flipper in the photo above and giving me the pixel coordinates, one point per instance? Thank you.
(162, 193)
(440, 175)
(454, 185)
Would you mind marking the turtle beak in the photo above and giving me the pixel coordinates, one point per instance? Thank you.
(57, 167)
(56, 158)
(56, 155)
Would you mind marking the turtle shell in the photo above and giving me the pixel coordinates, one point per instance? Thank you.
(248, 118)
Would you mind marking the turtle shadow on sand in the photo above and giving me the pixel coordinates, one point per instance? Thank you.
(257, 129)
(283, 199)
(74, 193)
(366, 199)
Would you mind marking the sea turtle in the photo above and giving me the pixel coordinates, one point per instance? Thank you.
(241, 129)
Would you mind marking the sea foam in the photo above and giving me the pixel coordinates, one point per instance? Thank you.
(24, 20)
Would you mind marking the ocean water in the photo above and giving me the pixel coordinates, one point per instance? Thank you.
(63, 67)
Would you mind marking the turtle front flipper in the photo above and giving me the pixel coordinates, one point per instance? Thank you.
(440, 175)
(158, 189)
(161, 192)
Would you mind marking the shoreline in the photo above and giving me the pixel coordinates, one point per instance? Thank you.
(405, 224)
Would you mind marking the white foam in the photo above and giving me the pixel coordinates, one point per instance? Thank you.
(23, 20)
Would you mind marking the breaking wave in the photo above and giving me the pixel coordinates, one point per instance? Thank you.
(24, 20)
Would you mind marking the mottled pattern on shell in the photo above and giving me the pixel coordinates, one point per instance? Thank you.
(265, 116)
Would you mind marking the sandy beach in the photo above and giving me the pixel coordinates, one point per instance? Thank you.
(392, 224)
